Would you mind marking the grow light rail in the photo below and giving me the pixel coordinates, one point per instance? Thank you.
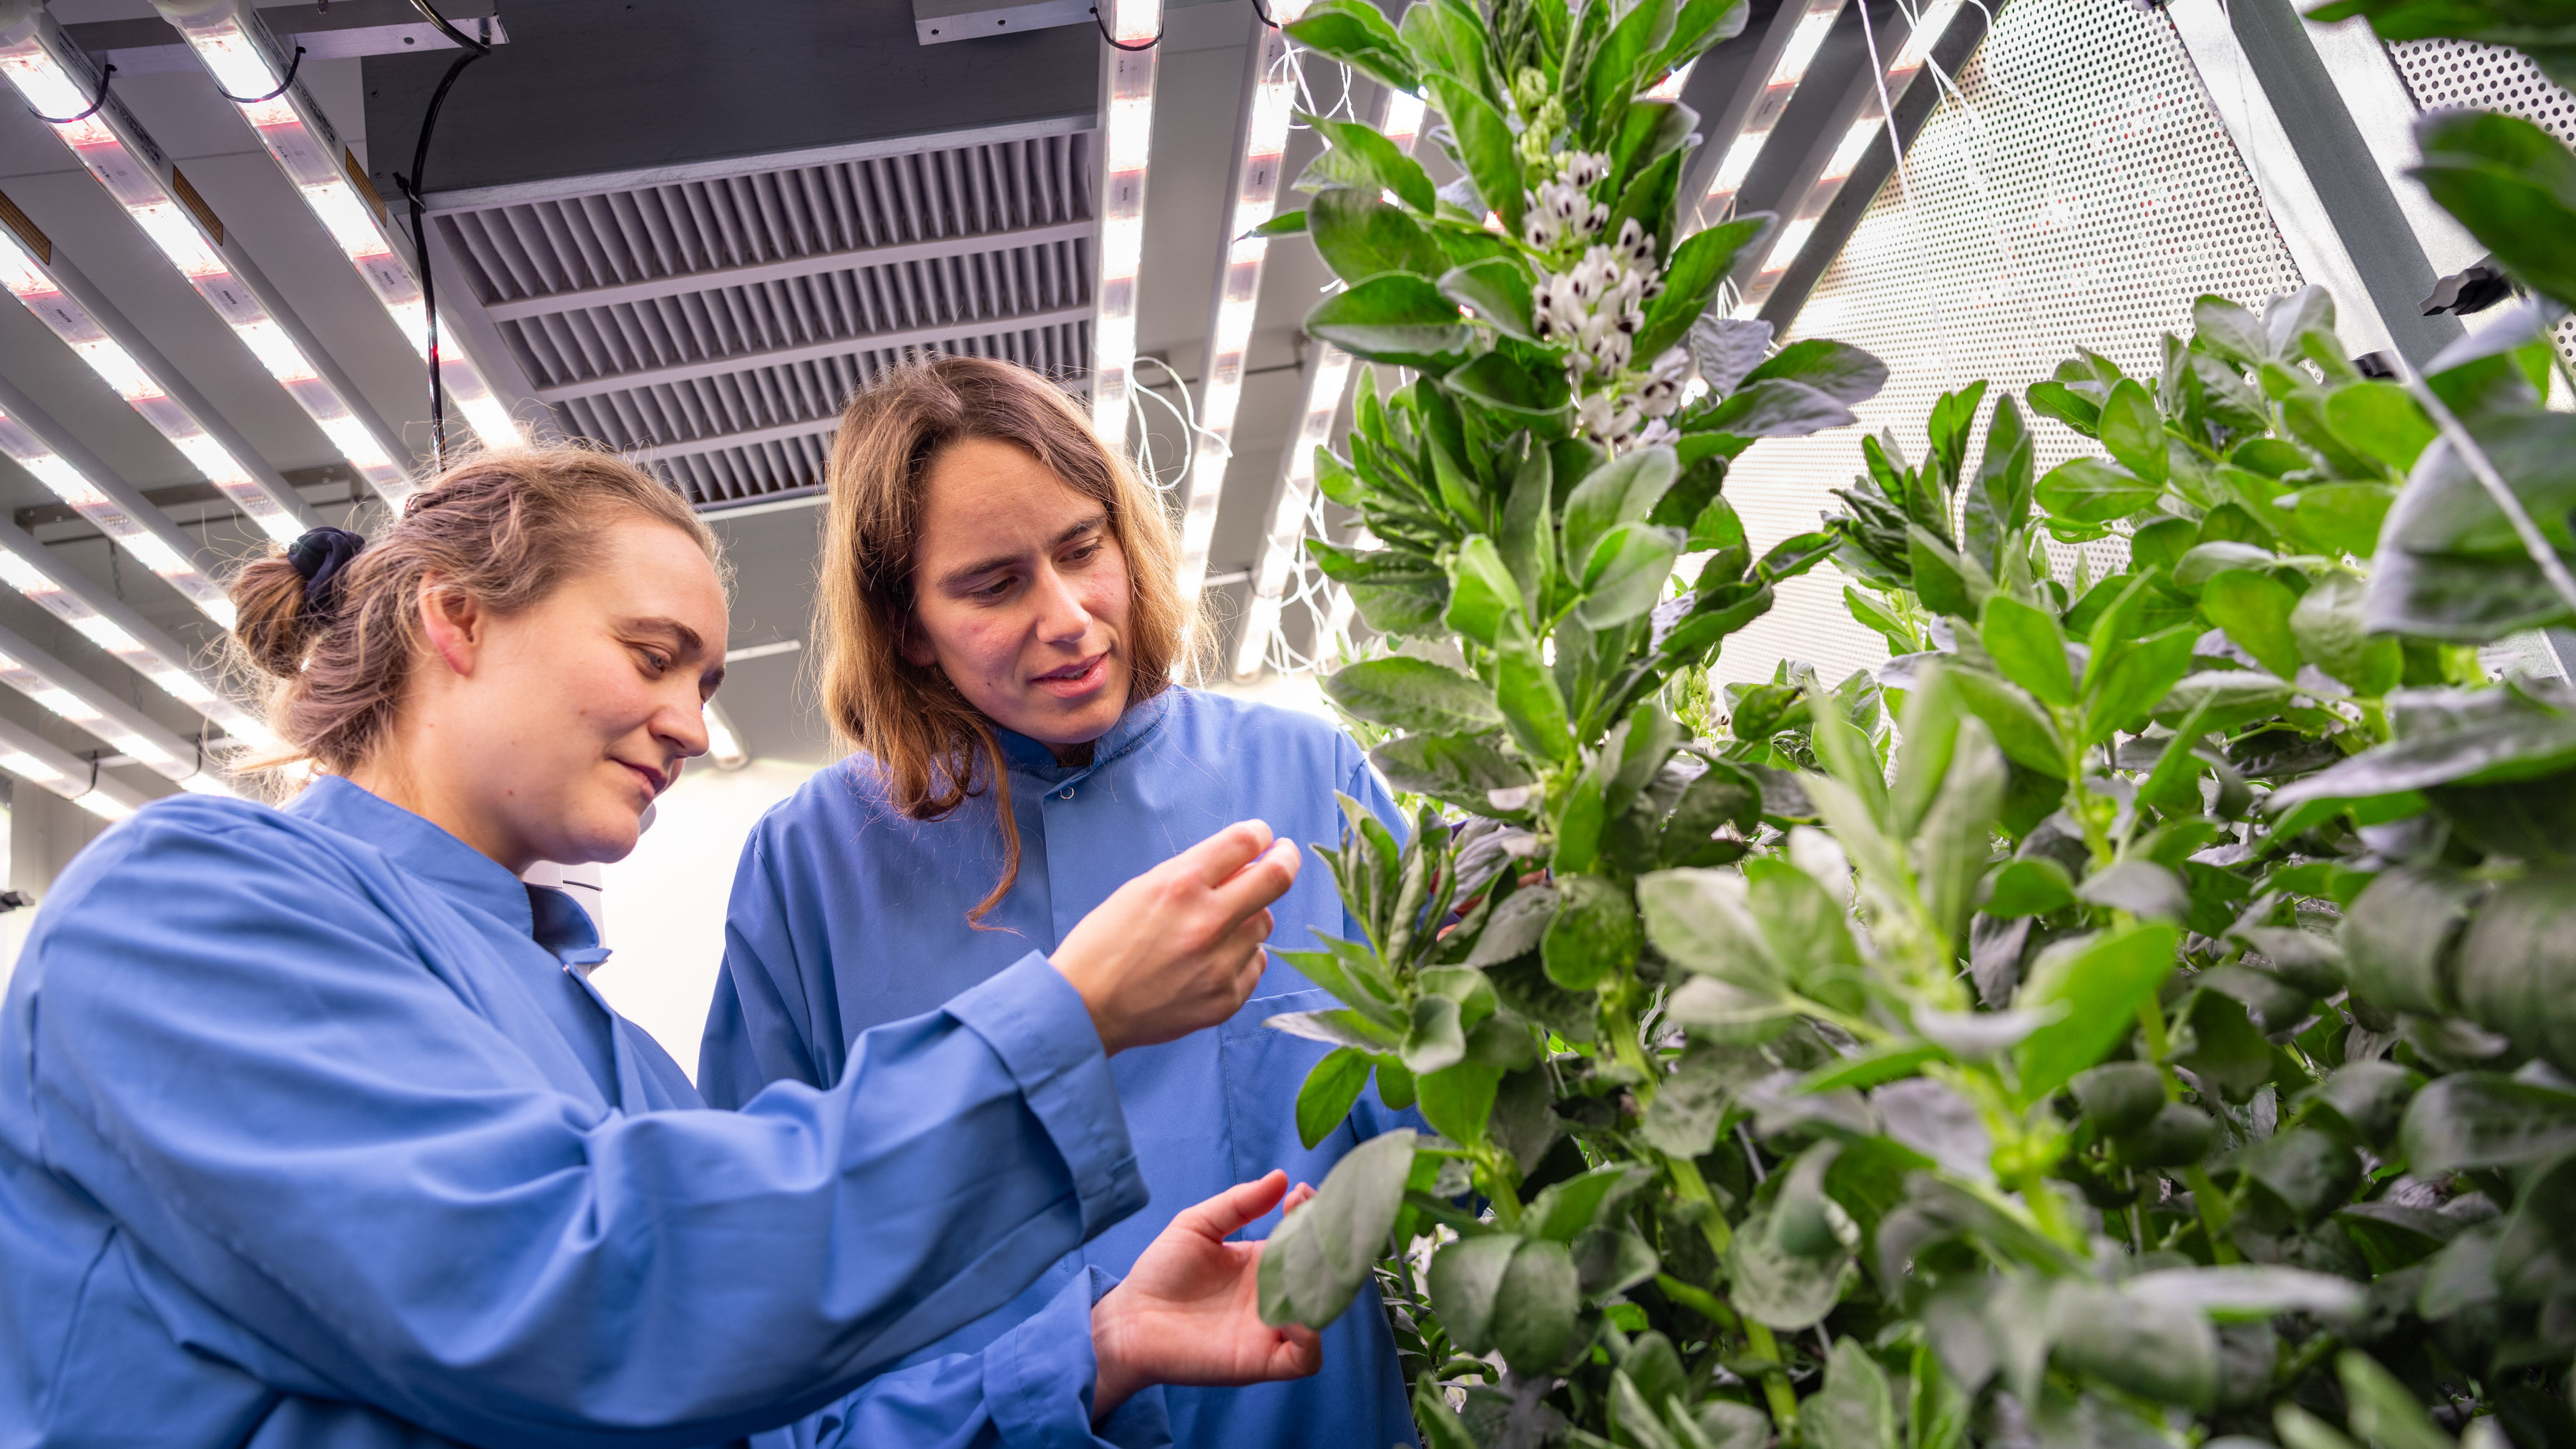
(63, 88)
(237, 48)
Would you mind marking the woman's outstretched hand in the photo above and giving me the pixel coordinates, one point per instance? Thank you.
(1190, 1313)
(1179, 947)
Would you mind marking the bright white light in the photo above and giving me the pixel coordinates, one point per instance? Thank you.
(1847, 155)
(1737, 165)
(1122, 248)
(1131, 132)
(179, 240)
(99, 803)
(1793, 239)
(1403, 119)
(27, 767)
(57, 701)
(491, 421)
(347, 219)
(237, 64)
(1670, 87)
(1927, 33)
(202, 783)
(724, 746)
(1137, 21)
(1804, 41)
(354, 441)
(276, 351)
(48, 89)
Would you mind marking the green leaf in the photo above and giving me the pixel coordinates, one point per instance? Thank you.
(1485, 145)
(2020, 725)
(2225, 699)
(2483, 1119)
(1855, 1409)
(2176, 1136)
(1414, 694)
(1775, 407)
(2205, 561)
(2034, 886)
(2339, 517)
(1361, 236)
(2381, 419)
(1532, 708)
(1837, 369)
(1330, 1090)
(2227, 330)
(2089, 490)
(2228, 1051)
(2162, 1352)
(1703, 920)
(1504, 385)
(1699, 263)
(2383, 1412)
(1535, 1308)
(1461, 772)
(1617, 70)
(1496, 289)
(2030, 649)
(1386, 168)
(1340, 1027)
(2517, 965)
(1458, 1101)
(2397, 938)
(1358, 34)
(1527, 538)
(2102, 979)
(2512, 185)
(2329, 628)
(1435, 1041)
(2140, 887)
(2119, 1097)
(1626, 574)
(1314, 1264)
(1395, 318)
(1624, 490)
(1285, 223)
(2134, 677)
(1774, 1286)
(1593, 936)
(2254, 608)
(2134, 432)
(1484, 599)
(2059, 401)
(1564, 1211)
(1466, 1279)
(2246, 1293)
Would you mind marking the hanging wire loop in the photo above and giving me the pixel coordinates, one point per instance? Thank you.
(292, 67)
(103, 77)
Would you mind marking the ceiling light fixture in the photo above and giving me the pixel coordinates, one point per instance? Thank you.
(62, 299)
(77, 699)
(1847, 154)
(1127, 140)
(242, 54)
(1271, 83)
(724, 742)
(1327, 375)
(68, 93)
(28, 756)
(108, 622)
(37, 444)
(1813, 24)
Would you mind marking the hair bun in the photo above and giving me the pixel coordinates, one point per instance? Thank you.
(319, 554)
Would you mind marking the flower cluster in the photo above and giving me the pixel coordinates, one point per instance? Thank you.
(1633, 408)
(1597, 305)
(1562, 212)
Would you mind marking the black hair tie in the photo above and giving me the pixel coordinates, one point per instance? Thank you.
(319, 555)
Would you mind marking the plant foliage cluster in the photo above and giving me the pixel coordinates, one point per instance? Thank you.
(2145, 1012)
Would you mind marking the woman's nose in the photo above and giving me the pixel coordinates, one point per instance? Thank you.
(1061, 615)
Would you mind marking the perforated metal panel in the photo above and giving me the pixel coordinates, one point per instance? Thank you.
(2488, 77)
(2074, 189)
(713, 326)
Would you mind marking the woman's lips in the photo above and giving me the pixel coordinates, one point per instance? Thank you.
(1075, 681)
(652, 780)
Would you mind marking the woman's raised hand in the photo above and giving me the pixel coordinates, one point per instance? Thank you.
(1179, 947)
(1190, 1313)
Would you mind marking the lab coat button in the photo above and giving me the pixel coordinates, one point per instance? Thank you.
(1068, 793)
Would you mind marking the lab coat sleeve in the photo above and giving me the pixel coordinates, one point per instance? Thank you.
(251, 1063)
(760, 1028)
(1029, 1389)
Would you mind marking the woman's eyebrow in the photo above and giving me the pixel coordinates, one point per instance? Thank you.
(998, 562)
(689, 641)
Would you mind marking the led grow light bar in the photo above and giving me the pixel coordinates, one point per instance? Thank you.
(1328, 373)
(1273, 92)
(243, 55)
(76, 699)
(1127, 126)
(29, 757)
(1855, 143)
(64, 301)
(58, 82)
(68, 471)
(108, 622)
(1737, 163)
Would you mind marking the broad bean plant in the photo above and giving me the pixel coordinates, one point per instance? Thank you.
(2142, 1013)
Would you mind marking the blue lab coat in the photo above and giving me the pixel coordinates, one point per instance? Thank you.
(312, 1135)
(847, 915)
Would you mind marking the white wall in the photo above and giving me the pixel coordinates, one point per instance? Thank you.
(666, 903)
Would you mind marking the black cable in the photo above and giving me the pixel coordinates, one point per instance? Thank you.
(93, 106)
(1263, 11)
(292, 67)
(430, 13)
(412, 192)
(1103, 22)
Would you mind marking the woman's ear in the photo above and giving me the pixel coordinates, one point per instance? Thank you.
(453, 622)
(916, 651)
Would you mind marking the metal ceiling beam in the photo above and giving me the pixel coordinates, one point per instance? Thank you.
(1835, 213)
(814, 352)
(791, 269)
(748, 438)
(31, 758)
(79, 700)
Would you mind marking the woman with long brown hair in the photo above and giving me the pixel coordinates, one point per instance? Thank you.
(313, 1131)
(997, 620)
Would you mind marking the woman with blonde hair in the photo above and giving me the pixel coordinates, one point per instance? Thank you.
(997, 620)
(314, 1133)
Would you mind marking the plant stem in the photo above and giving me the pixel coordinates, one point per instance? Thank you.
(1689, 1185)
(2205, 1197)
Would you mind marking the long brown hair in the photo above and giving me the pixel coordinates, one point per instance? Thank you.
(933, 748)
(503, 528)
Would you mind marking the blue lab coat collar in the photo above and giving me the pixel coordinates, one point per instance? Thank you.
(1026, 756)
(548, 917)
